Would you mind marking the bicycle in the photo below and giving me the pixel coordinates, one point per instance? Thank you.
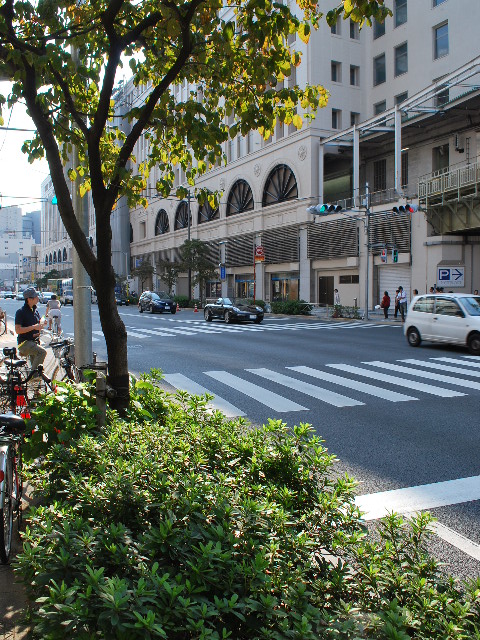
(12, 429)
(16, 395)
(64, 351)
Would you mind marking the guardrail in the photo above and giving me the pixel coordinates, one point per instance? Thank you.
(437, 183)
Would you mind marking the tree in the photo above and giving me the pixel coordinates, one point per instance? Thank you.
(168, 272)
(62, 58)
(196, 258)
(42, 282)
(144, 272)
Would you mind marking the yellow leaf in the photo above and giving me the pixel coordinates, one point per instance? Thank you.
(297, 121)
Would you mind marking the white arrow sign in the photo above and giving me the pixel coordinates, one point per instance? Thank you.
(451, 276)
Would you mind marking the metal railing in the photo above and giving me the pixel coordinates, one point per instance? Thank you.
(442, 182)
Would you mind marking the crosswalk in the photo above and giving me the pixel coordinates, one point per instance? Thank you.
(433, 376)
(174, 328)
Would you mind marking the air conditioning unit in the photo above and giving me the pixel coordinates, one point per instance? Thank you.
(459, 143)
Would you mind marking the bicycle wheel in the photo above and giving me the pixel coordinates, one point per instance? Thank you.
(17, 486)
(6, 509)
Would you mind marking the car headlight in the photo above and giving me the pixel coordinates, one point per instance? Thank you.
(236, 309)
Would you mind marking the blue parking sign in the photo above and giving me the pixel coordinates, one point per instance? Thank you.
(451, 276)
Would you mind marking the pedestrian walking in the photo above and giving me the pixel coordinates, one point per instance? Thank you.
(475, 293)
(402, 302)
(397, 304)
(28, 327)
(415, 292)
(336, 297)
(385, 304)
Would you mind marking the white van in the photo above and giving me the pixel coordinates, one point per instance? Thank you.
(448, 318)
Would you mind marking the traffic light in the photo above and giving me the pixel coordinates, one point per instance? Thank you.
(324, 209)
(405, 208)
(383, 255)
(395, 255)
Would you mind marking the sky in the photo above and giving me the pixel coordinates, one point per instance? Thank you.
(20, 182)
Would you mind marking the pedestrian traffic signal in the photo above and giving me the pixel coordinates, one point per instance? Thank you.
(324, 209)
(405, 208)
(383, 255)
(395, 255)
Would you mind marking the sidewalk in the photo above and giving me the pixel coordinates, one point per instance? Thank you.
(12, 597)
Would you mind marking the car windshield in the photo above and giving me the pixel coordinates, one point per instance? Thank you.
(160, 296)
(472, 305)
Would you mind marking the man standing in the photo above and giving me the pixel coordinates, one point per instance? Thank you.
(28, 327)
(402, 302)
(336, 297)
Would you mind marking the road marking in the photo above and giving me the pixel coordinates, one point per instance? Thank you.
(465, 363)
(264, 396)
(419, 498)
(459, 382)
(410, 384)
(370, 389)
(456, 539)
(180, 381)
(330, 397)
(442, 367)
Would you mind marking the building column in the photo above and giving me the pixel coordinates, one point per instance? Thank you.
(259, 268)
(320, 171)
(356, 167)
(398, 150)
(304, 266)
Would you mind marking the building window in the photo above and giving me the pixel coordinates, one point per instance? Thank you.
(354, 118)
(401, 59)
(281, 185)
(379, 70)
(437, 2)
(143, 230)
(378, 29)
(161, 223)
(380, 107)
(440, 41)
(240, 198)
(354, 75)
(183, 216)
(336, 28)
(336, 71)
(442, 98)
(400, 12)
(353, 279)
(404, 169)
(336, 119)
(380, 175)
(441, 158)
(354, 30)
(401, 97)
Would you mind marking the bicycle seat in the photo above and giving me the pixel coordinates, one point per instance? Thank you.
(11, 424)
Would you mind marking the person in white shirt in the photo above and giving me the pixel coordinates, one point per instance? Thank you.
(53, 311)
(336, 296)
(402, 300)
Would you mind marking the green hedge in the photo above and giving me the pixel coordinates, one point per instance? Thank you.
(184, 303)
(289, 307)
(179, 523)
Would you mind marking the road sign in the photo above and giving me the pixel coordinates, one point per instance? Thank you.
(259, 253)
(451, 276)
(222, 272)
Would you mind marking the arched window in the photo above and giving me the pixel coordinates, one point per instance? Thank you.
(280, 186)
(64, 254)
(50, 259)
(54, 257)
(181, 216)
(161, 223)
(206, 213)
(240, 198)
(46, 261)
(59, 256)
(131, 233)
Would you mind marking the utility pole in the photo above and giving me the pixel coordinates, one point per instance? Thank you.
(367, 229)
(82, 307)
(188, 238)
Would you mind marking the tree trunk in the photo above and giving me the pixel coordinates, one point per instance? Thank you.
(116, 340)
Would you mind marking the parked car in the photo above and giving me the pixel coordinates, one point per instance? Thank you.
(45, 296)
(156, 302)
(121, 299)
(232, 310)
(448, 318)
(67, 297)
(19, 296)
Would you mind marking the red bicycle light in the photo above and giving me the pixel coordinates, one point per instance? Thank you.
(2, 476)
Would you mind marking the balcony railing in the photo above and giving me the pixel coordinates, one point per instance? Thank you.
(451, 183)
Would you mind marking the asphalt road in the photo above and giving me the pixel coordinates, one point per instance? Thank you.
(394, 425)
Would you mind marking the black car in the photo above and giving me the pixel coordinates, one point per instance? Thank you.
(121, 300)
(156, 302)
(232, 310)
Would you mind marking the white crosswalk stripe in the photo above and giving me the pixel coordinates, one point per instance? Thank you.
(465, 363)
(442, 367)
(369, 389)
(330, 397)
(462, 382)
(253, 391)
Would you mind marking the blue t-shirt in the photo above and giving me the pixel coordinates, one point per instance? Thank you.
(27, 317)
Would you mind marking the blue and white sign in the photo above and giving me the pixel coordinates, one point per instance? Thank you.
(451, 276)
(222, 272)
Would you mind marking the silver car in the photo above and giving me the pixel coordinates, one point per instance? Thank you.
(448, 318)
